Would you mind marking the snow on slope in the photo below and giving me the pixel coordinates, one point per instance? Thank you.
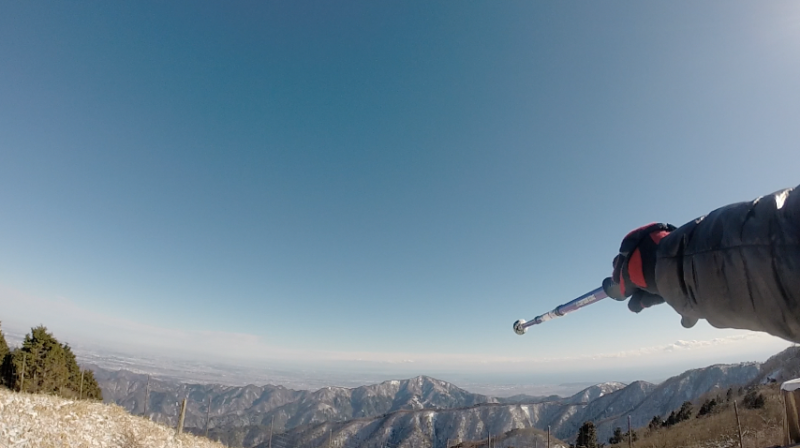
(28, 420)
(595, 392)
(258, 405)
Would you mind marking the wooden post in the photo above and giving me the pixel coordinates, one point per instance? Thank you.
(179, 429)
(630, 433)
(738, 424)
(790, 395)
(22, 381)
(433, 444)
(208, 414)
(329, 437)
(488, 440)
(548, 436)
(270, 431)
(785, 406)
(146, 396)
(80, 392)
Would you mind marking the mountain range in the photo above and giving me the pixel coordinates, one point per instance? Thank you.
(420, 410)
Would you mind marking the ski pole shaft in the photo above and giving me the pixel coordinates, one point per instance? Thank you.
(521, 326)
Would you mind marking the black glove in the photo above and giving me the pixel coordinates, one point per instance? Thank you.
(634, 273)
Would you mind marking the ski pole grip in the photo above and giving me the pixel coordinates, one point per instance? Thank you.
(612, 289)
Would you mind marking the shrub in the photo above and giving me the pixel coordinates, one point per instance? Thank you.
(754, 400)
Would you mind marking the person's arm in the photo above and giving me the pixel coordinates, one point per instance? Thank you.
(737, 267)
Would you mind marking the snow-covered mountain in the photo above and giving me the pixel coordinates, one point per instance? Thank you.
(409, 412)
(781, 367)
(618, 402)
(275, 405)
(424, 427)
(607, 404)
(595, 392)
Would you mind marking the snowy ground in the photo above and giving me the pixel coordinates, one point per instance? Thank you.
(43, 421)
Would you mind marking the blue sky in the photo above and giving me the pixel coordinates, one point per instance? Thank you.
(382, 182)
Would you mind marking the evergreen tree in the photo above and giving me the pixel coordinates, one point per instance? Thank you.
(707, 407)
(73, 373)
(587, 436)
(655, 423)
(42, 359)
(8, 370)
(685, 412)
(634, 436)
(671, 420)
(4, 351)
(5, 354)
(617, 437)
(91, 389)
(43, 365)
(754, 400)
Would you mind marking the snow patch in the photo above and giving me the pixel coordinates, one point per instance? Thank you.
(28, 420)
(780, 198)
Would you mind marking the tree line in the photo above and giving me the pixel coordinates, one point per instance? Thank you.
(45, 366)
(587, 437)
(587, 434)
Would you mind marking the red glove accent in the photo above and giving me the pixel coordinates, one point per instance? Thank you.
(634, 267)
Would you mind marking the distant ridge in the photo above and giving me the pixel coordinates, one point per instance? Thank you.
(404, 412)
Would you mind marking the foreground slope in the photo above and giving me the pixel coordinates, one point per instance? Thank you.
(687, 386)
(760, 427)
(28, 420)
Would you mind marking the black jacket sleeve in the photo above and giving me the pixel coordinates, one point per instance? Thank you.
(738, 267)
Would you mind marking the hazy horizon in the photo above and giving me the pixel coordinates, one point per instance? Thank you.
(314, 376)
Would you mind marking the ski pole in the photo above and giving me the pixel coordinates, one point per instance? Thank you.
(521, 326)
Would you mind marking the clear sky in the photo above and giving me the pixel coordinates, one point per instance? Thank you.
(378, 182)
